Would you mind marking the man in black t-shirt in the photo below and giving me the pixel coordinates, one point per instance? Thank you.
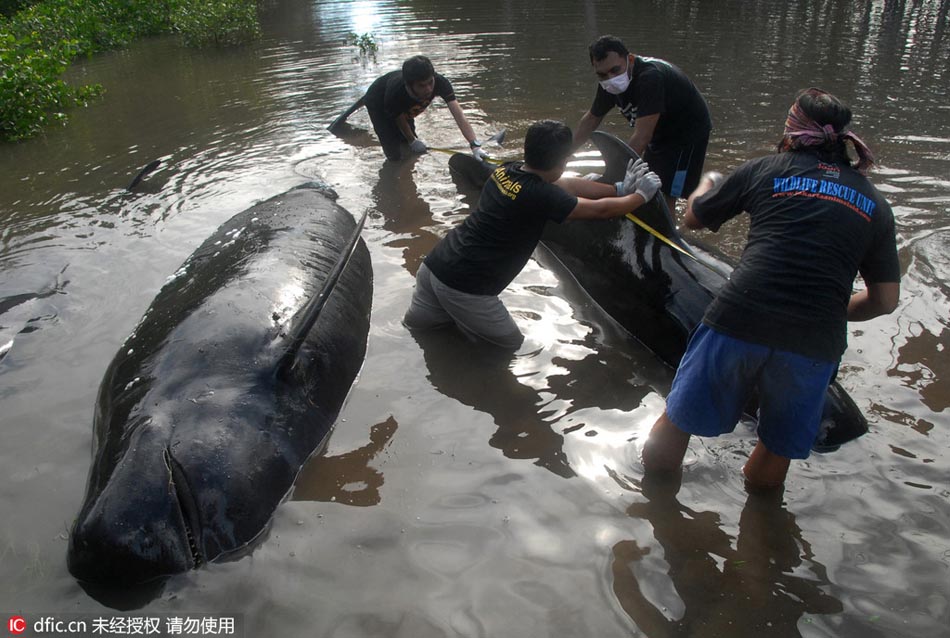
(780, 322)
(461, 278)
(668, 114)
(394, 101)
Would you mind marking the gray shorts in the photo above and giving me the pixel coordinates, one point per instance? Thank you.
(483, 317)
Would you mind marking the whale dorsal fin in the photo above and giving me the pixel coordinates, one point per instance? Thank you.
(311, 312)
(616, 154)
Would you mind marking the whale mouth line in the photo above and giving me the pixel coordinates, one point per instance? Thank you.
(186, 505)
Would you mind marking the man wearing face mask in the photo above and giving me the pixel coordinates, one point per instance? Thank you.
(394, 101)
(668, 114)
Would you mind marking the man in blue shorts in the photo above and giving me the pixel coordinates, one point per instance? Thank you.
(460, 280)
(780, 322)
(668, 114)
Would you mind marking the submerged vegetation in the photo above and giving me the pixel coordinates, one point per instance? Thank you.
(366, 43)
(216, 22)
(39, 39)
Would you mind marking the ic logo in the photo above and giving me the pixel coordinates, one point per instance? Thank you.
(16, 625)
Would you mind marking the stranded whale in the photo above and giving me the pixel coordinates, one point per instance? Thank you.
(657, 289)
(231, 380)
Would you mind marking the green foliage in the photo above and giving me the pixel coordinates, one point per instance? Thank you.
(9, 7)
(31, 93)
(366, 43)
(38, 42)
(94, 25)
(203, 23)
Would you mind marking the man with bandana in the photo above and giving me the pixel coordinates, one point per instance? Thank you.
(668, 114)
(395, 99)
(779, 325)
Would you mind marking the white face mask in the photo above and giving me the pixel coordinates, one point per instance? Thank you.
(617, 84)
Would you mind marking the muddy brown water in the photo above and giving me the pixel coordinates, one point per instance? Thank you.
(460, 496)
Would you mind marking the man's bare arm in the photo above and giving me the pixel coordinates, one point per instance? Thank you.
(876, 300)
(643, 132)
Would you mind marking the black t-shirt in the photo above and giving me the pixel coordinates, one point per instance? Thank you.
(485, 252)
(659, 87)
(812, 227)
(388, 94)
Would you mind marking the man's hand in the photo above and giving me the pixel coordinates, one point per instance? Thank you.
(418, 146)
(648, 185)
(635, 171)
(477, 151)
(715, 178)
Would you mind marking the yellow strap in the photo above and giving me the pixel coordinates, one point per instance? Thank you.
(636, 220)
(451, 152)
(663, 238)
(666, 240)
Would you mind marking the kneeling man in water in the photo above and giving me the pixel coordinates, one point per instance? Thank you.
(460, 280)
(395, 99)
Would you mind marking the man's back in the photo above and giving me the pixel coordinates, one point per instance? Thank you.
(813, 227)
(491, 246)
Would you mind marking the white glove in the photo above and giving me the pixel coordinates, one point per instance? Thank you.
(418, 146)
(636, 169)
(477, 151)
(715, 177)
(648, 185)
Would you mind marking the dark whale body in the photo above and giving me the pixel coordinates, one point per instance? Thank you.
(231, 380)
(656, 292)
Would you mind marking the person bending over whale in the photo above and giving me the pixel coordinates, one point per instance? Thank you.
(780, 323)
(669, 116)
(395, 99)
(460, 280)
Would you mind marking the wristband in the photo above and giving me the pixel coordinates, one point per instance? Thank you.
(474, 144)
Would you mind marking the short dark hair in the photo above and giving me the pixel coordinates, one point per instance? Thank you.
(417, 69)
(546, 144)
(603, 45)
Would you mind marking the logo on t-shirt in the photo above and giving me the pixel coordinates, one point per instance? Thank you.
(831, 171)
(418, 108)
(508, 187)
(797, 186)
(630, 112)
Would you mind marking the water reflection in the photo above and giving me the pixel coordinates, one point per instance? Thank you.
(707, 583)
(347, 478)
(404, 212)
(925, 365)
(923, 338)
(397, 199)
(228, 126)
(480, 376)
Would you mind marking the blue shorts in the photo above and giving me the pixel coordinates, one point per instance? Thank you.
(718, 375)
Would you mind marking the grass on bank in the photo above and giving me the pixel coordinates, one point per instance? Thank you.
(39, 39)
